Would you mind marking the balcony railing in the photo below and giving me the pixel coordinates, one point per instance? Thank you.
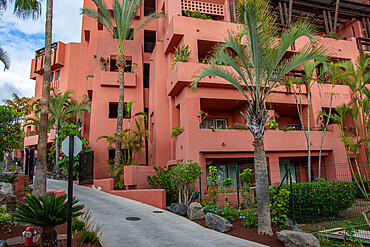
(363, 44)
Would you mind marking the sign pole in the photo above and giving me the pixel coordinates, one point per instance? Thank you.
(70, 191)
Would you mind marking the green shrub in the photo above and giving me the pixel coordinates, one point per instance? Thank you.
(226, 211)
(161, 180)
(249, 218)
(77, 225)
(323, 199)
(89, 237)
(6, 217)
(279, 204)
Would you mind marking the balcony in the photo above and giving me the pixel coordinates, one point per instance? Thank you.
(230, 140)
(341, 94)
(194, 27)
(110, 79)
(57, 58)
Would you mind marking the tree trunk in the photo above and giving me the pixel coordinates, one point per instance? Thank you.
(262, 188)
(40, 175)
(121, 63)
(308, 137)
(57, 151)
(49, 237)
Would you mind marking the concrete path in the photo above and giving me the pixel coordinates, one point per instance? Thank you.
(154, 229)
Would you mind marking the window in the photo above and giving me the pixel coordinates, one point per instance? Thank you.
(284, 165)
(113, 110)
(100, 25)
(113, 66)
(149, 7)
(52, 77)
(225, 171)
(128, 67)
(214, 124)
(149, 41)
(146, 75)
(57, 78)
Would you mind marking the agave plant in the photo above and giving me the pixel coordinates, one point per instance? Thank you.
(47, 213)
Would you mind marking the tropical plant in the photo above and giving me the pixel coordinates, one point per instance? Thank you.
(246, 192)
(256, 64)
(11, 178)
(61, 108)
(39, 181)
(176, 131)
(162, 180)
(124, 13)
(47, 212)
(196, 14)
(11, 134)
(183, 177)
(181, 55)
(4, 58)
(24, 9)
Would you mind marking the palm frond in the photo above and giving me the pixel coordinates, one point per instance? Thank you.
(4, 58)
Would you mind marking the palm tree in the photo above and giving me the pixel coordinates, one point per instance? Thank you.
(24, 9)
(4, 58)
(119, 27)
(47, 213)
(256, 57)
(22, 105)
(39, 181)
(61, 107)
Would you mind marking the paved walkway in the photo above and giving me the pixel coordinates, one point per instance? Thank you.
(154, 229)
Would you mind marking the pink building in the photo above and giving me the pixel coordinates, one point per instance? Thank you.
(162, 92)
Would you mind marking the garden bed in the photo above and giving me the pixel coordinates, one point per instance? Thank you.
(12, 233)
(250, 234)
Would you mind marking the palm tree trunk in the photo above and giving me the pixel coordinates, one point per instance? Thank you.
(40, 176)
(57, 151)
(49, 237)
(262, 188)
(308, 137)
(121, 63)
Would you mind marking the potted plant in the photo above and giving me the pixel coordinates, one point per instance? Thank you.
(181, 55)
(104, 63)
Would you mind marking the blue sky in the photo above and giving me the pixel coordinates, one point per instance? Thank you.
(21, 38)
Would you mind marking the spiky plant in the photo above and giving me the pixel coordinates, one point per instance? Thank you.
(47, 212)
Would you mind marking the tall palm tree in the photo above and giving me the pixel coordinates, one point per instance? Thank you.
(119, 27)
(39, 181)
(256, 57)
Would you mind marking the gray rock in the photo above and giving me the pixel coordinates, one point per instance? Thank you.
(297, 239)
(6, 188)
(342, 215)
(297, 228)
(179, 208)
(218, 223)
(3, 243)
(2, 196)
(195, 211)
(289, 222)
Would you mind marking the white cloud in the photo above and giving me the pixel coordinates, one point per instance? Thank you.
(20, 38)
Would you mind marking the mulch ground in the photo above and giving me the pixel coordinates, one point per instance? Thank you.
(9, 232)
(250, 234)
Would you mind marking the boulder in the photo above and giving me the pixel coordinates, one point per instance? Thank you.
(218, 223)
(6, 188)
(3, 243)
(297, 239)
(179, 208)
(2, 196)
(195, 211)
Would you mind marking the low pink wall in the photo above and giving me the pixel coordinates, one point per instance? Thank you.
(57, 192)
(154, 197)
(105, 184)
(21, 181)
(135, 176)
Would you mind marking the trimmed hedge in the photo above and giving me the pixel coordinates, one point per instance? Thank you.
(316, 200)
(323, 199)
